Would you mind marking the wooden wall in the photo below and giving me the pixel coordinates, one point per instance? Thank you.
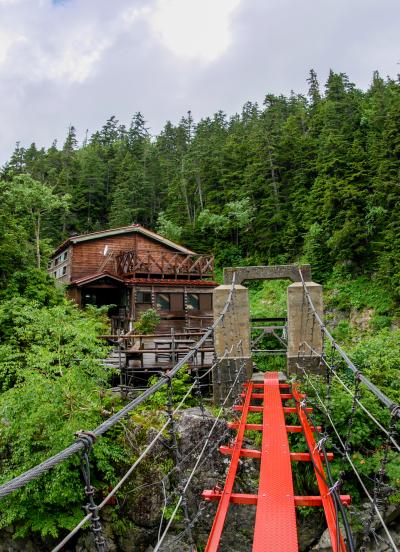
(176, 319)
(88, 256)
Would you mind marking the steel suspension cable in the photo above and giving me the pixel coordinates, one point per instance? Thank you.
(360, 404)
(346, 454)
(391, 405)
(157, 547)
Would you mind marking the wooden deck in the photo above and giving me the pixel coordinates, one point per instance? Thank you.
(146, 355)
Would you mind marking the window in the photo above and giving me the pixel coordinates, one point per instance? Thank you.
(56, 261)
(143, 297)
(64, 270)
(163, 301)
(89, 299)
(65, 256)
(193, 302)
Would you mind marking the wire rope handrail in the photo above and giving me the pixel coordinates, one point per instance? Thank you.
(349, 460)
(352, 395)
(391, 405)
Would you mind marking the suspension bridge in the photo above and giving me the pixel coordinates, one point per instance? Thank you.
(296, 403)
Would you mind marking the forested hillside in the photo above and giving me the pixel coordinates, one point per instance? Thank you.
(312, 178)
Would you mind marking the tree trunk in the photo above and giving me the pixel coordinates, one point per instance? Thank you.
(184, 191)
(37, 239)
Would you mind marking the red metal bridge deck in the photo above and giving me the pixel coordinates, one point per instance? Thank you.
(275, 524)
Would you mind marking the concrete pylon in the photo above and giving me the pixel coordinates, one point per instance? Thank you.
(305, 342)
(231, 342)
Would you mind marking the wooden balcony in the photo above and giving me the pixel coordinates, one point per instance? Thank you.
(165, 265)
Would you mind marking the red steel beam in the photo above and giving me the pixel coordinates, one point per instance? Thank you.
(223, 506)
(275, 526)
(242, 498)
(286, 409)
(327, 499)
(253, 453)
(259, 427)
(260, 396)
(261, 385)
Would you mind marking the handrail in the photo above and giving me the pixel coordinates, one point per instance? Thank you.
(178, 264)
(391, 405)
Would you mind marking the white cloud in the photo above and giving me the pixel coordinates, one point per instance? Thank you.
(76, 61)
(194, 29)
(80, 61)
(7, 40)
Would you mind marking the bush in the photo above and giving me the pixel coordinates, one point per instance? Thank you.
(147, 323)
(52, 386)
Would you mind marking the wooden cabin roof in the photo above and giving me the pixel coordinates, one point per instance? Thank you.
(92, 278)
(134, 228)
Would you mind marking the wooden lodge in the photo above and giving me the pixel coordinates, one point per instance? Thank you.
(134, 269)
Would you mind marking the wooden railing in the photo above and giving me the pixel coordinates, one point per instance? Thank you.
(165, 265)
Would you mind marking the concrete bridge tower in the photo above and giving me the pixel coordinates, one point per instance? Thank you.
(232, 337)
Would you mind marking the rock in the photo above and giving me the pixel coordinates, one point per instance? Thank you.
(135, 539)
(33, 544)
(309, 529)
(171, 544)
(324, 543)
(361, 318)
(193, 428)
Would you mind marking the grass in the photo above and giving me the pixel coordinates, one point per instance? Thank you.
(268, 298)
(358, 293)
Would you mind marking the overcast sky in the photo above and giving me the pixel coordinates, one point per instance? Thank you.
(80, 61)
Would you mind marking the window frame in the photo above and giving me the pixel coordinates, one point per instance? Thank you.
(143, 292)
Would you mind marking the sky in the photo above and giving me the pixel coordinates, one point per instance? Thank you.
(78, 62)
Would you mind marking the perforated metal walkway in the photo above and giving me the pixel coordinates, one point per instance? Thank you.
(275, 524)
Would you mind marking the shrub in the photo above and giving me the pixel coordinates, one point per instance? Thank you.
(147, 323)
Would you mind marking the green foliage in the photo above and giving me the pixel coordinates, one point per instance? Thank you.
(312, 178)
(315, 251)
(147, 322)
(218, 224)
(180, 386)
(378, 358)
(51, 385)
(268, 298)
(347, 293)
(34, 284)
(168, 229)
(343, 332)
(30, 200)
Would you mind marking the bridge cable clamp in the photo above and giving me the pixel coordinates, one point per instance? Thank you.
(88, 438)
